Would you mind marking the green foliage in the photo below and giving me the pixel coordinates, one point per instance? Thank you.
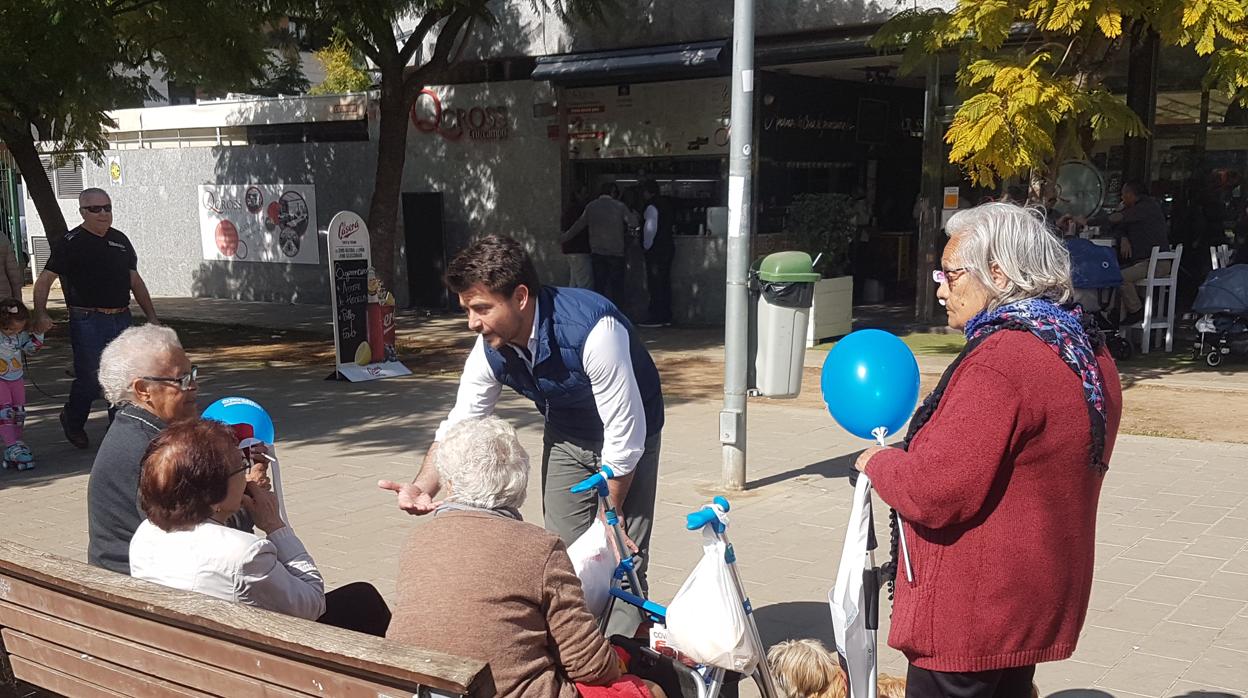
(823, 224)
(342, 72)
(67, 62)
(1033, 102)
(286, 79)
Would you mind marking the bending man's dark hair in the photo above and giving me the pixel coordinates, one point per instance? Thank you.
(498, 263)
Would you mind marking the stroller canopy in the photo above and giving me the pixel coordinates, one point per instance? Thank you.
(1092, 265)
(1224, 291)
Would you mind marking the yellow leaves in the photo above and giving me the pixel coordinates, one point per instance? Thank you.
(1007, 127)
(1067, 16)
(1204, 22)
(1110, 23)
(1228, 72)
(1018, 101)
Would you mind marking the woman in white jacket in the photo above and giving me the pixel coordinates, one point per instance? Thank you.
(193, 480)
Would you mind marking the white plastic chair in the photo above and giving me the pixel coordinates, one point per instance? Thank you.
(1219, 256)
(1159, 294)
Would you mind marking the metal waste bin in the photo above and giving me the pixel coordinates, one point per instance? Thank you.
(783, 286)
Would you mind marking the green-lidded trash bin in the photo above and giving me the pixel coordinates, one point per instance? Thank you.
(783, 284)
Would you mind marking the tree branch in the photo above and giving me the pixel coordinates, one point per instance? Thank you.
(383, 34)
(364, 46)
(120, 7)
(441, 52)
(418, 35)
(448, 36)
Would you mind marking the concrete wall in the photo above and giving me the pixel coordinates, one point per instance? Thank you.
(157, 207)
(508, 186)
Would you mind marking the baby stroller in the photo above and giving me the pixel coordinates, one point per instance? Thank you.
(1222, 303)
(675, 678)
(1096, 277)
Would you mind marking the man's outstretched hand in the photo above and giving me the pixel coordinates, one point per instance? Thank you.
(412, 499)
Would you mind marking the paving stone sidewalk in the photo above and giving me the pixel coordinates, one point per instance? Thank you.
(1169, 611)
(1170, 605)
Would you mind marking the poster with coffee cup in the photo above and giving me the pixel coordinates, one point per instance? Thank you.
(363, 310)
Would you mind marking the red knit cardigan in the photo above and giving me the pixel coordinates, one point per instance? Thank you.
(999, 508)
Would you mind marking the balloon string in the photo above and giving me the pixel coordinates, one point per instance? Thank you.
(879, 433)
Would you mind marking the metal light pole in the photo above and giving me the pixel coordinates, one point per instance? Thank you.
(736, 315)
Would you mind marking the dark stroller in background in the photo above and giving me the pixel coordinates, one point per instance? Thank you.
(1096, 277)
(1222, 303)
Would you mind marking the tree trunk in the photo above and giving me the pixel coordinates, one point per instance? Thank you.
(22, 145)
(383, 211)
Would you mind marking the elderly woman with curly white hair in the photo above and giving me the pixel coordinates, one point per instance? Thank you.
(476, 581)
(147, 376)
(995, 488)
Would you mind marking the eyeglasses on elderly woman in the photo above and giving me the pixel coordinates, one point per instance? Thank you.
(947, 276)
(183, 382)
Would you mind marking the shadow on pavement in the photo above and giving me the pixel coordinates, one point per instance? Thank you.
(832, 468)
(794, 620)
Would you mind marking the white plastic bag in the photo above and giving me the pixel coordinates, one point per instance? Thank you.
(848, 598)
(595, 564)
(706, 620)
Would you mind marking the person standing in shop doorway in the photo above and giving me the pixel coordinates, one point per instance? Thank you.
(660, 249)
(580, 263)
(606, 218)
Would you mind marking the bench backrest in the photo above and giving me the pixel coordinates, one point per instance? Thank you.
(83, 631)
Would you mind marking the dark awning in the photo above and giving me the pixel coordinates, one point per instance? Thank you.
(652, 63)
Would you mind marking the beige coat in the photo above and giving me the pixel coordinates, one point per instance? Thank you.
(11, 279)
(502, 591)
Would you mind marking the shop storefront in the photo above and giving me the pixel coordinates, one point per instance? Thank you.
(814, 135)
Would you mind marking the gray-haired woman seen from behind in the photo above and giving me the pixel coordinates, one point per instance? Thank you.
(478, 582)
(996, 485)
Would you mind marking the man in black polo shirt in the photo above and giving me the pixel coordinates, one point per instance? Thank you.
(98, 269)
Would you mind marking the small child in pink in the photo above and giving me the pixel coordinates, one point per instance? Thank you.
(16, 341)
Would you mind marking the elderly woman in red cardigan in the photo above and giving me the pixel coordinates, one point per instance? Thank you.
(996, 486)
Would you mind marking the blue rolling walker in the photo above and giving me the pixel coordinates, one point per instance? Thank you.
(674, 677)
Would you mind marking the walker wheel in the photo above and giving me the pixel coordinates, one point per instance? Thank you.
(1121, 349)
(1213, 359)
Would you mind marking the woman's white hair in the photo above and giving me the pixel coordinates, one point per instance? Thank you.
(137, 352)
(1033, 260)
(484, 464)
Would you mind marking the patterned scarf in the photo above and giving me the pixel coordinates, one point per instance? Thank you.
(1068, 332)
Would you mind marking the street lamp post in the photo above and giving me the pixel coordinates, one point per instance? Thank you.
(732, 419)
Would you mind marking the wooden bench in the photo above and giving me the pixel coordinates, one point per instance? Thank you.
(78, 630)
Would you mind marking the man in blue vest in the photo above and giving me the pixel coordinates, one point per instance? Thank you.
(575, 355)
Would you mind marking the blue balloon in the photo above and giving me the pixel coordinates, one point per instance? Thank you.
(870, 380)
(240, 410)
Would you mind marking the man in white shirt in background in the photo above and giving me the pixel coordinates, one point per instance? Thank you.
(576, 356)
(660, 248)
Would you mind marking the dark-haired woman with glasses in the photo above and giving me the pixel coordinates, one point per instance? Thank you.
(194, 479)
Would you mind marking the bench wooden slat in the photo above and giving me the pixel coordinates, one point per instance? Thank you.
(148, 660)
(253, 661)
(270, 635)
(93, 670)
(61, 683)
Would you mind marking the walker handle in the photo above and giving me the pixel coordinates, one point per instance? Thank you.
(596, 481)
(706, 515)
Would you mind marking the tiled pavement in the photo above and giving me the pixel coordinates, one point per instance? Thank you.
(1168, 617)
